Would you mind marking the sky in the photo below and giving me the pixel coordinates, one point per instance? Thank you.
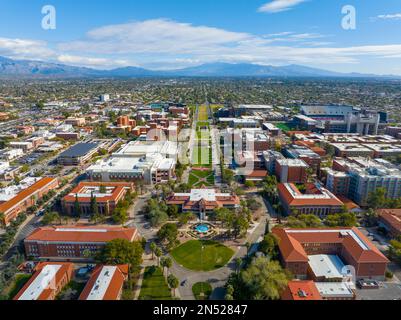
(173, 34)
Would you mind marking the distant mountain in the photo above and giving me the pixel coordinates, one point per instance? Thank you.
(27, 68)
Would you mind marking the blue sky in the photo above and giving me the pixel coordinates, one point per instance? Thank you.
(168, 34)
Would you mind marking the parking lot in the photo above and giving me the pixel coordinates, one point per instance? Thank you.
(387, 291)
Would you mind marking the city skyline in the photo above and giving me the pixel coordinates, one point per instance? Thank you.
(160, 36)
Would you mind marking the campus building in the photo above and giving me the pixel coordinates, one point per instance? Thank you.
(365, 176)
(291, 170)
(298, 246)
(105, 283)
(345, 119)
(73, 242)
(107, 195)
(151, 161)
(26, 198)
(314, 200)
(204, 200)
(78, 154)
(390, 219)
(47, 282)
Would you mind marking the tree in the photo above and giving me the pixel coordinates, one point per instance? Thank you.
(248, 246)
(370, 217)
(348, 219)
(238, 264)
(377, 199)
(249, 184)
(269, 245)
(166, 263)
(173, 283)
(240, 226)
(93, 205)
(121, 251)
(50, 218)
(153, 247)
(120, 215)
(77, 207)
(185, 217)
(102, 189)
(2, 218)
(158, 254)
(168, 233)
(265, 279)
(172, 211)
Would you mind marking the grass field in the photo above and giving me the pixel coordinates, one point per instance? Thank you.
(213, 256)
(284, 127)
(203, 113)
(154, 286)
(202, 290)
(199, 178)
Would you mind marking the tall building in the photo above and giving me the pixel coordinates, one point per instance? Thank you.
(291, 170)
(365, 176)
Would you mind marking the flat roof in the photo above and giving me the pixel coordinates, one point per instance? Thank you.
(79, 150)
(102, 283)
(327, 266)
(334, 289)
(43, 280)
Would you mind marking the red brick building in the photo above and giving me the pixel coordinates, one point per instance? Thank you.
(349, 244)
(105, 283)
(26, 198)
(314, 200)
(73, 242)
(390, 219)
(291, 170)
(48, 280)
(106, 199)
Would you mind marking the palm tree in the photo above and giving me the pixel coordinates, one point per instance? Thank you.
(173, 283)
(248, 246)
(167, 263)
(238, 263)
(153, 247)
(158, 254)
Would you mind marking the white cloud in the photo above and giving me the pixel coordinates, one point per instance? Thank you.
(279, 5)
(151, 35)
(24, 48)
(92, 62)
(167, 44)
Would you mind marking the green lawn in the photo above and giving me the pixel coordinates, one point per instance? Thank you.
(154, 286)
(284, 127)
(19, 282)
(202, 157)
(203, 113)
(213, 256)
(198, 178)
(202, 287)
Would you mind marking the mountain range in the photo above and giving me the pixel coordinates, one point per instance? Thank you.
(39, 69)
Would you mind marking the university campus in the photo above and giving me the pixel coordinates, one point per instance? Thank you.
(147, 159)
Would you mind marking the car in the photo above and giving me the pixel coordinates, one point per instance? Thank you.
(40, 213)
